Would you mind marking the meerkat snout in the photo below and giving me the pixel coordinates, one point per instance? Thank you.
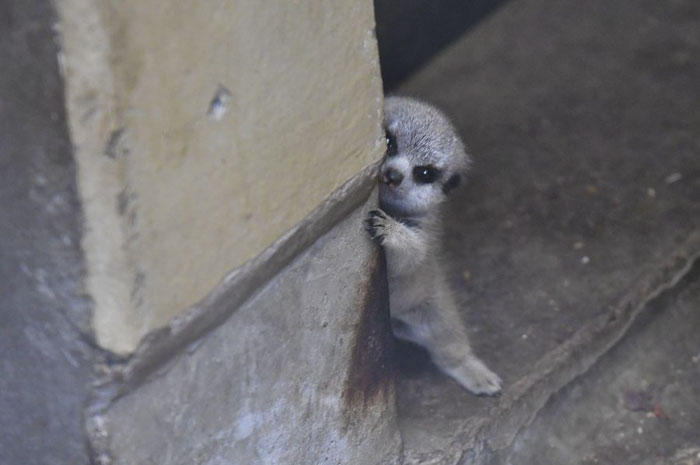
(391, 176)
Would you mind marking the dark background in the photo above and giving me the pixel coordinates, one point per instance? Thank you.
(410, 32)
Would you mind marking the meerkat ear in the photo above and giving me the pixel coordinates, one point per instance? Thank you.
(451, 183)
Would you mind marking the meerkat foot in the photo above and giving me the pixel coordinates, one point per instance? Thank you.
(476, 377)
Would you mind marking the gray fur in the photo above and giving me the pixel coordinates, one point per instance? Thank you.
(408, 226)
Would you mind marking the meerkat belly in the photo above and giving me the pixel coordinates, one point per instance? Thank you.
(409, 290)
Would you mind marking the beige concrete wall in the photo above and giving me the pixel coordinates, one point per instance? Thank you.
(202, 132)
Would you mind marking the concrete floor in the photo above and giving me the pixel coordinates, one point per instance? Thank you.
(640, 404)
(583, 206)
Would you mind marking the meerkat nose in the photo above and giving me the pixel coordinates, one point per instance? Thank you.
(392, 177)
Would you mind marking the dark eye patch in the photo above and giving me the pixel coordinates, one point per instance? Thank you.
(426, 174)
(391, 148)
(451, 183)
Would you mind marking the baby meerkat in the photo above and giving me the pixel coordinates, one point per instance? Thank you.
(425, 160)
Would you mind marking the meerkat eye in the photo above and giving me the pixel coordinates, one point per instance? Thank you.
(391, 148)
(425, 174)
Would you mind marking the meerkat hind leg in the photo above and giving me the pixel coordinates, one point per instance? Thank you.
(407, 332)
(444, 335)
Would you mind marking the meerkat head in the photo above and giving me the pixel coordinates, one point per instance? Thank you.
(425, 158)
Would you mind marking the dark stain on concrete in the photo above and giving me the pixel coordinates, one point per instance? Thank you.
(122, 202)
(117, 146)
(137, 288)
(371, 369)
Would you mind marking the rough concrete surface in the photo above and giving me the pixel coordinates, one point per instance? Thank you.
(301, 373)
(584, 201)
(219, 125)
(639, 405)
(44, 360)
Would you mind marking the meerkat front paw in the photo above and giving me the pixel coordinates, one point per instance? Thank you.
(476, 377)
(376, 224)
